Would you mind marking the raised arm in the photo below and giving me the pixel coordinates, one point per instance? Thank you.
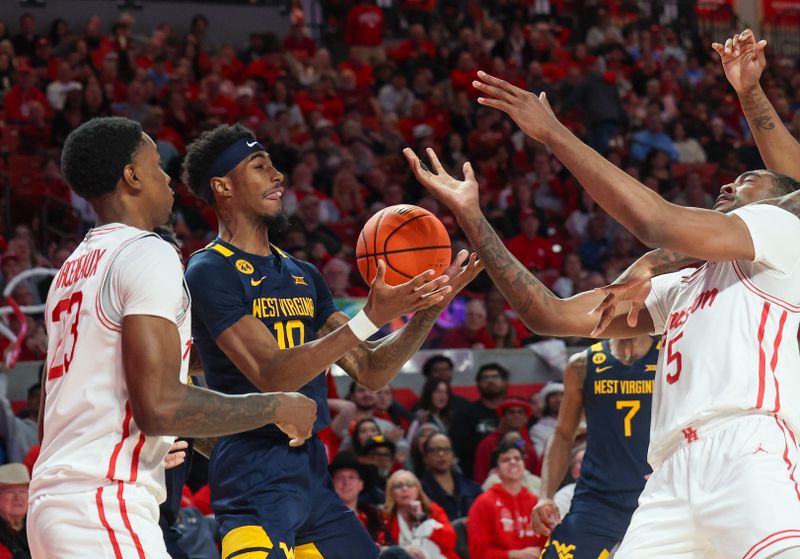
(743, 60)
(375, 364)
(541, 310)
(545, 514)
(162, 405)
(250, 345)
(703, 234)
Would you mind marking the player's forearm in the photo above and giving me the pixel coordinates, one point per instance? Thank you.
(663, 261)
(190, 411)
(555, 463)
(778, 148)
(388, 355)
(541, 310)
(640, 210)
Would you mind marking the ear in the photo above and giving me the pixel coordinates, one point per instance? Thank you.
(221, 187)
(130, 178)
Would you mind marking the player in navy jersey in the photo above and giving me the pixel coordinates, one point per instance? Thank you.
(612, 383)
(263, 320)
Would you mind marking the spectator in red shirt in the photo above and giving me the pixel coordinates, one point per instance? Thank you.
(514, 414)
(361, 69)
(247, 111)
(269, 67)
(534, 251)
(464, 74)
(298, 44)
(19, 99)
(500, 519)
(471, 334)
(416, 521)
(349, 478)
(364, 29)
(414, 49)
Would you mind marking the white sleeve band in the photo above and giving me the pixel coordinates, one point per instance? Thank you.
(362, 326)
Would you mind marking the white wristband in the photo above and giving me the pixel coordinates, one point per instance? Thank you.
(362, 326)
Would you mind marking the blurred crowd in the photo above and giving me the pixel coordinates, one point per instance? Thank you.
(643, 88)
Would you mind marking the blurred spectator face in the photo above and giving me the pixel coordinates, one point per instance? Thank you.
(491, 384)
(13, 502)
(623, 243)
(441, 370)
(404, 487)
(439, 454)
(416, 33)
(27, 24)
(495, 302)
(425, 431)
(347, 484)
(309, 210)
(553, 403)
(367, 430)
(572, 265)
(465, 62)
(500, 326)
(511, 466)
(475, 316)
(515, 417)
(529, 224)
(597, 228)
(363, 397)
(383, 398)
(440, 396)
(382, 458)
(592, 280)
(23, 294)
(336, 273)
(94, 27)
(653, 124)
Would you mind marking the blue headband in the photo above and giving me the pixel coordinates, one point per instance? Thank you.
(232, 156)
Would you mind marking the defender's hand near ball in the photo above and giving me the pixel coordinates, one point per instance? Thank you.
(386, 302)
(461, 197)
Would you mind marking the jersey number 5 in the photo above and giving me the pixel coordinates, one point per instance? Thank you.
(674, 357)
(70, 309)
(633, 408)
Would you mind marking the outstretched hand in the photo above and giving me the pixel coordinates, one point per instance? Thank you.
(386, 302)
(465, 267)
(630, 288)
(742, 59)
(461, 197)
(532, 113)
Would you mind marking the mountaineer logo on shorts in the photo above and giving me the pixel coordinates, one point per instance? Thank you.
(244, 266)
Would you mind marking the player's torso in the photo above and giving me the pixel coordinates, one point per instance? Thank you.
(90, 436)
(617, 402)
(281, 292)
(729, 347)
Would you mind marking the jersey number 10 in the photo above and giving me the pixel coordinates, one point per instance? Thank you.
(284, 333)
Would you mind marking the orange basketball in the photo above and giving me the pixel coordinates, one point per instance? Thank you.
(408, 238)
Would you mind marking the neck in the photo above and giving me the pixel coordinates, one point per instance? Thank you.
(113, 209)
(513, 487)
(446, 475)
(630, 350)
(15, 522)
(352, 505)
(245, 234)
(493, 401)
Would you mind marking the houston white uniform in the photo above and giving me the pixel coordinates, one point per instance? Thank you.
(726, 404)
(98, 480)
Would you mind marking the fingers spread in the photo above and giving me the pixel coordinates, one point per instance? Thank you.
(469, 173)
(437, 165)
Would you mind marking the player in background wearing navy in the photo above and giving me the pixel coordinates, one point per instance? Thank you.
(265, 320)
(612, 383)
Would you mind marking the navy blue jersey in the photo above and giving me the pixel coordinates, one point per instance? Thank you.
(617, 400)
(288, 295)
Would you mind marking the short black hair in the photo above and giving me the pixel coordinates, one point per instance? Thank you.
(784, 184)
(201, 154)
(96, 153)
(503, 447)
(428, 366)
(492, 367)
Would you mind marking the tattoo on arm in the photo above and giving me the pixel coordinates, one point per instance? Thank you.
(665, 261)
(758, 109)
(524, 292)
(204, 413)
(383, 358)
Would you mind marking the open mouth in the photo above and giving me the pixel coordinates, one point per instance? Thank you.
(274, 194)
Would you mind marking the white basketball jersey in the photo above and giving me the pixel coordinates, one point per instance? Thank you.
(730, 335)
(90, 436)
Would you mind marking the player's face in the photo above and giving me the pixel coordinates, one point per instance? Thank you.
(258, 186)
(748, 187)
(155, 182)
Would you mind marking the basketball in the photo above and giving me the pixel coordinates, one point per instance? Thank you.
(408, 238)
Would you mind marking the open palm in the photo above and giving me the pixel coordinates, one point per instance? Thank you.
(742, 59)
(460, 197)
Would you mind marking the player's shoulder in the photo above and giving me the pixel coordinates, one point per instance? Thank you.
(209, 263)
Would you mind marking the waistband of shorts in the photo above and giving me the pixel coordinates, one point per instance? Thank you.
(699, 430)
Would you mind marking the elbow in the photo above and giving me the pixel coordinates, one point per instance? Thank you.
(154, 419)
(650, 233)
(372, 382)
